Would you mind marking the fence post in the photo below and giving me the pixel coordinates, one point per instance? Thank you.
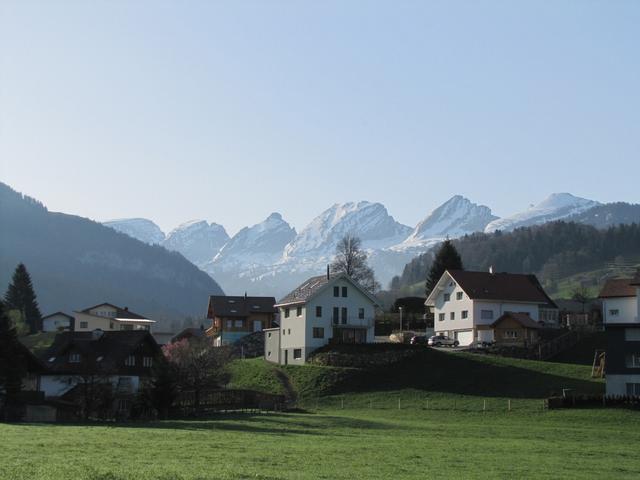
(399, 403)
(509, 405)
(342, 403)
(484, 405)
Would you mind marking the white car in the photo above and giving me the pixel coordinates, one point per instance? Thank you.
(442, 341)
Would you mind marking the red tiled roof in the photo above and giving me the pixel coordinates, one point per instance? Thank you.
(618, 287)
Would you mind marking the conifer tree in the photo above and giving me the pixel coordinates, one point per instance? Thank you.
(447, 258)
(12, 364)
(21, 296)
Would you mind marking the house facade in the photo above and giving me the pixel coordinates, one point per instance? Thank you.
(57, 322)
(621, 317)
(322, 310)
(466, 304)
(233, 317)
(109, 317)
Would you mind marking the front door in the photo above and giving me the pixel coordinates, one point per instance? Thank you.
(286, 357)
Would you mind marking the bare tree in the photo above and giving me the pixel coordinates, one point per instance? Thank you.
(199, 366)
(581, 295)
(352, 259)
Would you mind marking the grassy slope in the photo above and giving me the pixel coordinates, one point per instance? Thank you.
(333, 444)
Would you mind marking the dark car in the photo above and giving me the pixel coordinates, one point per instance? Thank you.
(418, 340)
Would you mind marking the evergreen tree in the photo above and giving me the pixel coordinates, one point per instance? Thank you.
(447, 258)
(12, 363)
(21, 296)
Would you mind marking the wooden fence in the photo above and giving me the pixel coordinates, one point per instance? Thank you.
(193, 403)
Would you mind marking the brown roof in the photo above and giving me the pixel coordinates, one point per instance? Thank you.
(522, 318)
(240, 306)
(58, 313)
(618, 287)
(120, 312)
(305, 291)
(511, 287)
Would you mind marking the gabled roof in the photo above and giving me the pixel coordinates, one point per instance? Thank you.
(240, 306)
(618, 287)
(522, 318)
(313, 286)
(120, 312)
(506, 287)
(104, 352)
(58, 313)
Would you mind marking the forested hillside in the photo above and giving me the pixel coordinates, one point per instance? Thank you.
(552, 251)
(75, 263)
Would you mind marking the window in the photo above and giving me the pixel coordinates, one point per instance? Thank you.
(336, 315)
(318, 332)
(344, 315)
(229, 324)
(465, 313)
(318, 311)
(344, 291)
(130, 361)
(268, 354)
(288, 331)
(238, 323)
(447, 297)
(286, 312)
(297, 353)
(632, 334)
(147, 362)
(111, 326)
(126, 327)
(511, 334)
(74, 358)
(452, 315)
(299, 312)
(361, 313)
(458, 295)
(633, 360)
(614, 312)
(84, 324)
(633, 389)
(283, 331)
(486, 314)
(441, 317)
(269, 334)
(336, 291)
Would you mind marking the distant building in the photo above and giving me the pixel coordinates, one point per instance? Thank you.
(322, 310)
(57, 322)
(109, 317)
(234, 317)
(466, 306)
(621, 314)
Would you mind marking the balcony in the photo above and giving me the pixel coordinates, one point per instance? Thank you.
(351, 322)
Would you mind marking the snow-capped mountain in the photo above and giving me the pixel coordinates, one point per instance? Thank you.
(139, 228)
(456, 217)
(369, 221)
(257, 246)
(555, 207)
(197, 240)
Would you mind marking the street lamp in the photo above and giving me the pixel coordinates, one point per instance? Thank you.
(400, 308)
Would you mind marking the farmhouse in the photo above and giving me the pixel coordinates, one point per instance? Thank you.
(57, 322)
(621, 313)
(108, 317)
(234, 317)
(471, 306)
(324, 309)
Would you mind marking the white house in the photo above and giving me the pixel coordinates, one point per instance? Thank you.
(465, 304)
(621, 317)
(108, 317)
(324, 309)
(57, 322)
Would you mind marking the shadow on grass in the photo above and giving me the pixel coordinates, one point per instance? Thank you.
(462, 374)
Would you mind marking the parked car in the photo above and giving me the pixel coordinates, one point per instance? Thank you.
(442, 341)
(419, 340)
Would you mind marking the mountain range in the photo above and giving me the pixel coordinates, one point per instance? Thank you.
(271, 257)
(75, 263)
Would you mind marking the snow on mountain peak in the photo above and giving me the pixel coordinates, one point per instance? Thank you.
(555, 207)
(197, 240)
(139, 228)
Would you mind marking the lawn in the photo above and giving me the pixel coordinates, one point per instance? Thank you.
(334, 444)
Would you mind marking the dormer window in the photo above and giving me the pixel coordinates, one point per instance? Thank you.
(74, 358)
(459, 295)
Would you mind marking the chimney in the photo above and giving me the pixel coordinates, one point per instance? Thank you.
(245, 295)
(126, 309)
(328, 273)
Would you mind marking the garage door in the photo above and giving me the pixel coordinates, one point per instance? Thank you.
(465, 337)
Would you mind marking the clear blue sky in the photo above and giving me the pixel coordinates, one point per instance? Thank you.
(231, 110)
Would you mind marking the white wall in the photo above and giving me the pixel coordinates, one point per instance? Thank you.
(627, 307)
(617, 384)
(93, 322)
(55, 322)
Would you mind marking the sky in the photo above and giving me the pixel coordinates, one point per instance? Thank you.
(228, 111)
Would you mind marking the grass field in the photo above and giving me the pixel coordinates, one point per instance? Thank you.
(422, 418)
